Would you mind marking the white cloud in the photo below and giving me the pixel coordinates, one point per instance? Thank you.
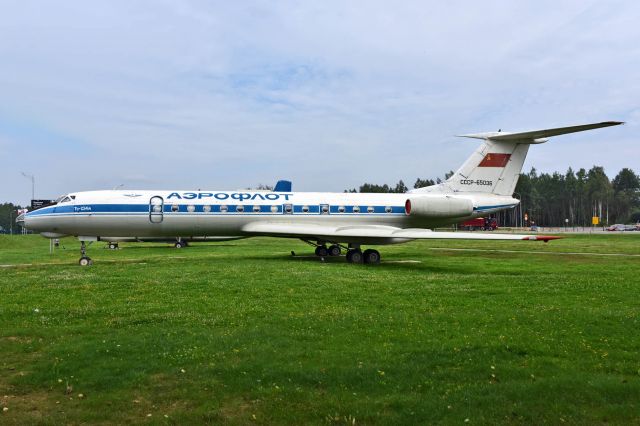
(197, 94)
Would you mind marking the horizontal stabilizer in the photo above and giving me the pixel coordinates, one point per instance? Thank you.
(533, 135)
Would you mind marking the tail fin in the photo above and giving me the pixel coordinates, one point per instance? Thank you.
(282, 186)
(495, 167)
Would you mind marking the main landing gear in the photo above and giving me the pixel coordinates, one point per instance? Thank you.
(369, 256)
(354, 254)
(84, 259)
(323, 251)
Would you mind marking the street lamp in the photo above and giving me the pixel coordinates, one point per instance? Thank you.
(518, 216)
(33, 184)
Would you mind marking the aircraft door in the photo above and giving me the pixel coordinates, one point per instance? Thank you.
(156, 207)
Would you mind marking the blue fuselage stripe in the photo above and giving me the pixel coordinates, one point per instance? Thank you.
(138, 209)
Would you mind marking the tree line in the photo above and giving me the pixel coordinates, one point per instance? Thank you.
(558, 199)
(574, 198)
(8, 214)
(398, 188)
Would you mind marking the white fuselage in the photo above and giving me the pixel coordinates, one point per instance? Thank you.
(226, 213)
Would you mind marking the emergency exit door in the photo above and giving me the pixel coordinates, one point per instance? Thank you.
(156, 208)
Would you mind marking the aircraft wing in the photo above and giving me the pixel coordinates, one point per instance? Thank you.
(373, 232)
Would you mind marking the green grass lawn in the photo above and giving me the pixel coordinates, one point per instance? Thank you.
(241, 333)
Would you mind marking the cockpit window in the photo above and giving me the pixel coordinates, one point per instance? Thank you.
(65, 199)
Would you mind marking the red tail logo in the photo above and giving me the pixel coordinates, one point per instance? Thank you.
(495, 160)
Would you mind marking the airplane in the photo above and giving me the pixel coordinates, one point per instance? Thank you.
(484, 184)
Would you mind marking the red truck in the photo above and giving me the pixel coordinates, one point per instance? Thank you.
(480, 224)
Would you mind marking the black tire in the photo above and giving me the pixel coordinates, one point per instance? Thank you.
(179, 244)
(371, 256)
(85, 261)
(322, 251)
(113, 246)
(335, 250)
(354, 256)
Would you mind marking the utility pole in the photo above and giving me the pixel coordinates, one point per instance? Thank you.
(33, 184)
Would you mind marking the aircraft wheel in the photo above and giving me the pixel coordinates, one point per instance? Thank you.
(354, 256)
(85, 261)
(322, 251)
(179, 244)
(334, 250)
(113, 246)
(371, 256)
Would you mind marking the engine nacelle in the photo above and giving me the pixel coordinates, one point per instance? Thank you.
(438, 206)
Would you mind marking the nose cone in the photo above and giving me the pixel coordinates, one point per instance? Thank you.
(20, 219)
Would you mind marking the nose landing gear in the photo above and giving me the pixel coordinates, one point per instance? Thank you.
(180, 243)
(84, 259)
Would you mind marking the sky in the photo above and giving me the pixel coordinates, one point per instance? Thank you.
(180, 94)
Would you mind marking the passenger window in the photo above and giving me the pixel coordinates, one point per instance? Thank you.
(256, 209)
(305, 209)
(370, 209)
(356, 209)
(240, 209)
(288, 208)
(224, 209)
(206, 209)
(175, 208)
(274, 209)
(388, 209)
(341, 209)
(325, 209)
(191, 208)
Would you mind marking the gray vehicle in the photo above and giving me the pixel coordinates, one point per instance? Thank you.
(622, 227)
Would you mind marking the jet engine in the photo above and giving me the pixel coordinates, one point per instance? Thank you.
(438, 206)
